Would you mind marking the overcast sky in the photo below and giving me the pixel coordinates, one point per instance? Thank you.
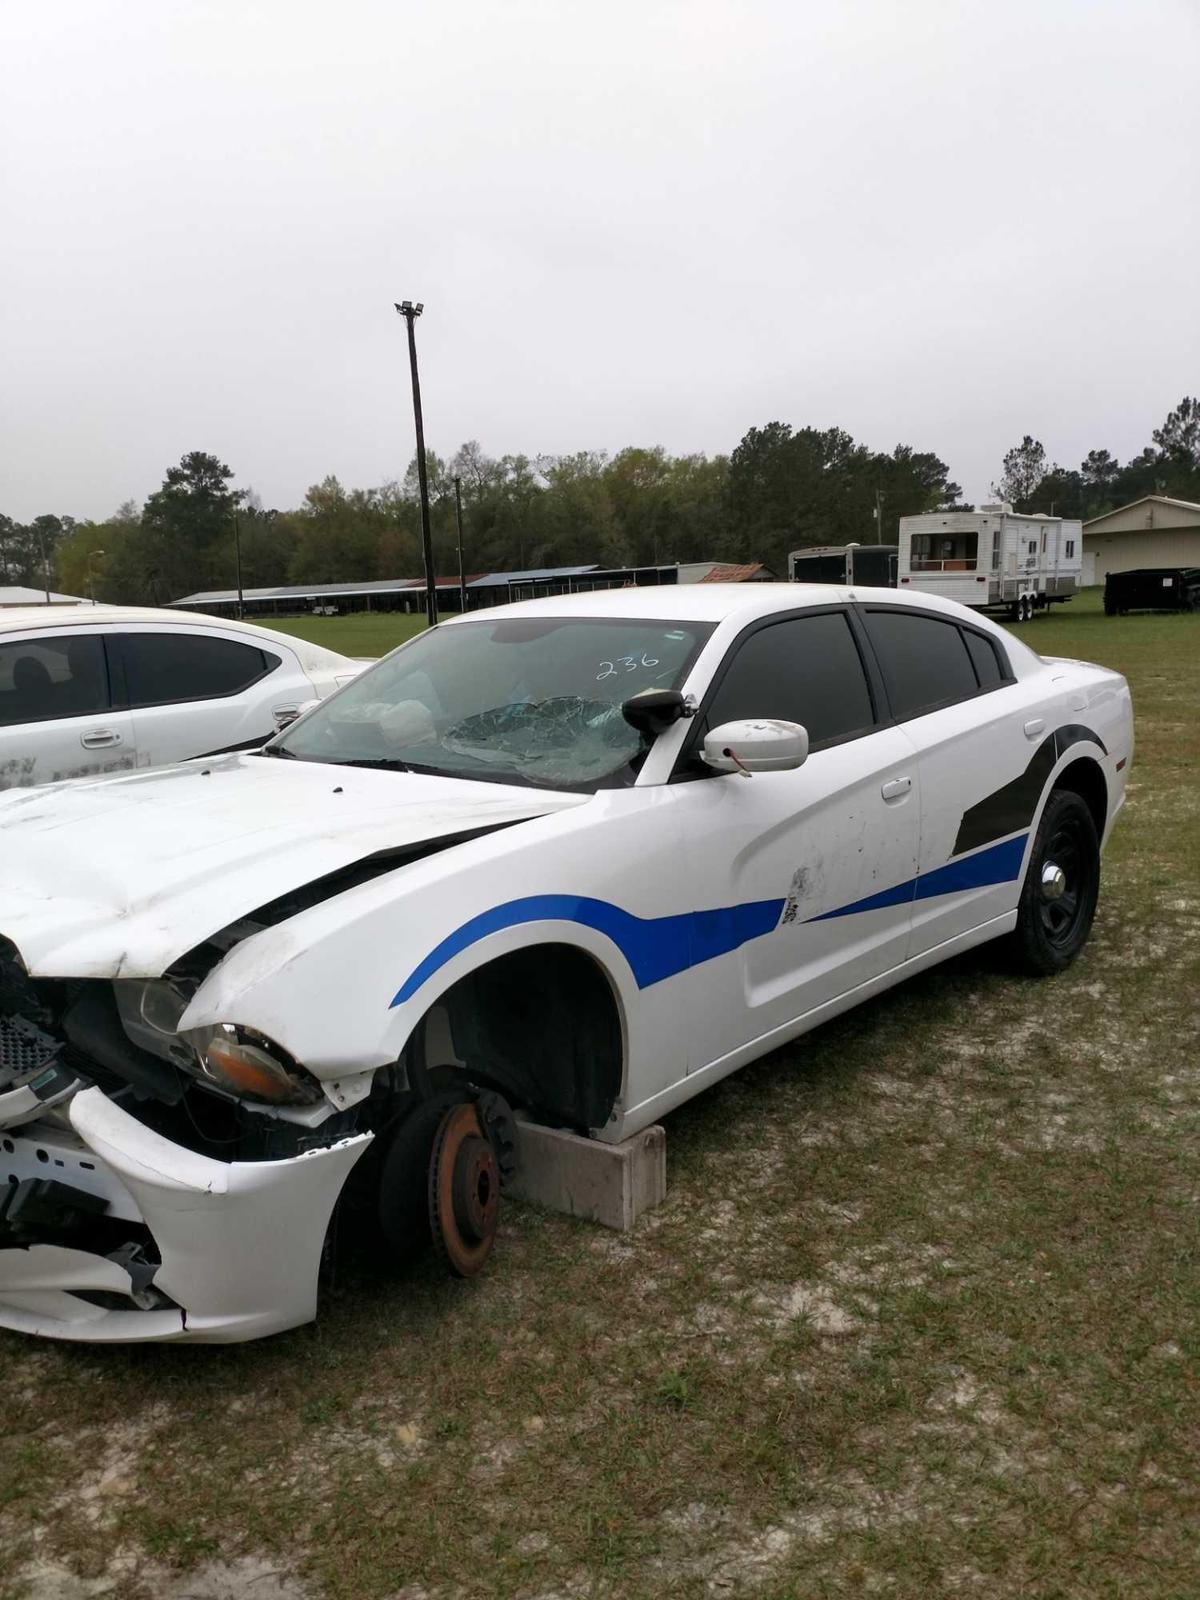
(656, 222)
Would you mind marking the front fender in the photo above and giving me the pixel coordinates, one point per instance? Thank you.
(343, 985)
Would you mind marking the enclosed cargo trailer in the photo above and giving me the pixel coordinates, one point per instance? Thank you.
(873, 564)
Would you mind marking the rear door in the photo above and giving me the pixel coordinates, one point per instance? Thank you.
(57, 718)
(197, 692)
(977, 735)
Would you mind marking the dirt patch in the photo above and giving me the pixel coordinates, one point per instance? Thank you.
(246, 1578)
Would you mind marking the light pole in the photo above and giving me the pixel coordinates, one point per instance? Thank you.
(410, 313)
(92, 573)
(462, 582)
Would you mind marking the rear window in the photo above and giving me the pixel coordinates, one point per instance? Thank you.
(42, 680)
(984, 659)
(162, 668)
(924, 660)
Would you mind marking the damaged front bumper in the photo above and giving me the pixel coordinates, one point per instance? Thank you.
(234, 1248)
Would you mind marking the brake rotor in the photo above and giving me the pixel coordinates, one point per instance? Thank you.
(464, 1191)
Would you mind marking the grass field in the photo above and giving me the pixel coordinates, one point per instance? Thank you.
(362, 633)
(919, 1318)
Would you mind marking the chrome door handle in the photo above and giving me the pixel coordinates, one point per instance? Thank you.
(895, 787)
(97, 738)
(1035, 726)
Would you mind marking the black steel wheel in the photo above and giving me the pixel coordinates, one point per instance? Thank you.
(1062, 885)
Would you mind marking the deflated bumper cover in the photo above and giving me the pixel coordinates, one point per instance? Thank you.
(239, 1242)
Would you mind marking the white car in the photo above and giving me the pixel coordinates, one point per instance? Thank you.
(576, 858)
(90, 689)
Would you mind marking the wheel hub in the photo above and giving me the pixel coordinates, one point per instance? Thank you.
(475, 1189)
(1054, 881)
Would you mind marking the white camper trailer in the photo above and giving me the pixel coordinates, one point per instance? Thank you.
(993, 559)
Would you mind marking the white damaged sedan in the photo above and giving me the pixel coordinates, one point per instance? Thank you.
(572, 860)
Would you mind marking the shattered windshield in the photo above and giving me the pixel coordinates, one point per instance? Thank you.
(518, 700)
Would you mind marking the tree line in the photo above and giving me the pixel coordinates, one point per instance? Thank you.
(780, 489)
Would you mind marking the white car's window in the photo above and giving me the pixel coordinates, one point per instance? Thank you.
(526, 701)
(164, 668)
(985, 658)
(48, 678)
(803, 669)
(924, 660)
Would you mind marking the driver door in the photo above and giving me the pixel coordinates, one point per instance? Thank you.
(815, 865)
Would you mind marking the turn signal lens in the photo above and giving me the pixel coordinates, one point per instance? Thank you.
(251, 1069)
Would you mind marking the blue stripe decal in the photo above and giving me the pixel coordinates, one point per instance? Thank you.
(999, 863)
(655, 947)
(662, 947)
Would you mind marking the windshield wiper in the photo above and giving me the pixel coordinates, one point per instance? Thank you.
(279, 752)
(380, 763)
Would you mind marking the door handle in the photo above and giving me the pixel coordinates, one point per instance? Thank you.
(895, 787)
(1035, 726)
(97, 738)
(283, 716)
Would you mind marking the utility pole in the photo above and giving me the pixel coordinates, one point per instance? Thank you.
(462, 582)
(237, 554)
(410, 313)
(45, 564)
(879, 516)
(92, 573)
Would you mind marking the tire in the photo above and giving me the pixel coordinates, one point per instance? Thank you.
(1110, 609)
(1050, 933)
(401, 1201)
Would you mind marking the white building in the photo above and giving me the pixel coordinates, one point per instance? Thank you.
(1155, 531)
(15, 595)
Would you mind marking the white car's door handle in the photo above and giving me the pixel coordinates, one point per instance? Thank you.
(97, 738)
(284, 716)
(1035, 726)
(895, 787)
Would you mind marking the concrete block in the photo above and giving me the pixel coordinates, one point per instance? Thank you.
(608, 1183)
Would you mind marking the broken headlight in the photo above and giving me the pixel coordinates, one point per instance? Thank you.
(249, 1065)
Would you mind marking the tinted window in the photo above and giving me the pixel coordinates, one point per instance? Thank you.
(983, 656)
(164, 667)
(63, 676)
(805, 670)
(924, 660)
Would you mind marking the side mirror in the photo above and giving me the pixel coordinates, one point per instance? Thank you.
(653, 711)
(757, 744)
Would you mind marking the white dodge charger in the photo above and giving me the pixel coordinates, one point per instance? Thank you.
(577, 858)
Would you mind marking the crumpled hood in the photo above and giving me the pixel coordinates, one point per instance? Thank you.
(120, 876)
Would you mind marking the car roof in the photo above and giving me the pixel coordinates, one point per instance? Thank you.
(44, 619)
(710, 602)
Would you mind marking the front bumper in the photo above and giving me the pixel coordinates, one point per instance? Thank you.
(239, 1242)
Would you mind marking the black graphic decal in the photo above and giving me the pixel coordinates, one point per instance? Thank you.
(1012, 807)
